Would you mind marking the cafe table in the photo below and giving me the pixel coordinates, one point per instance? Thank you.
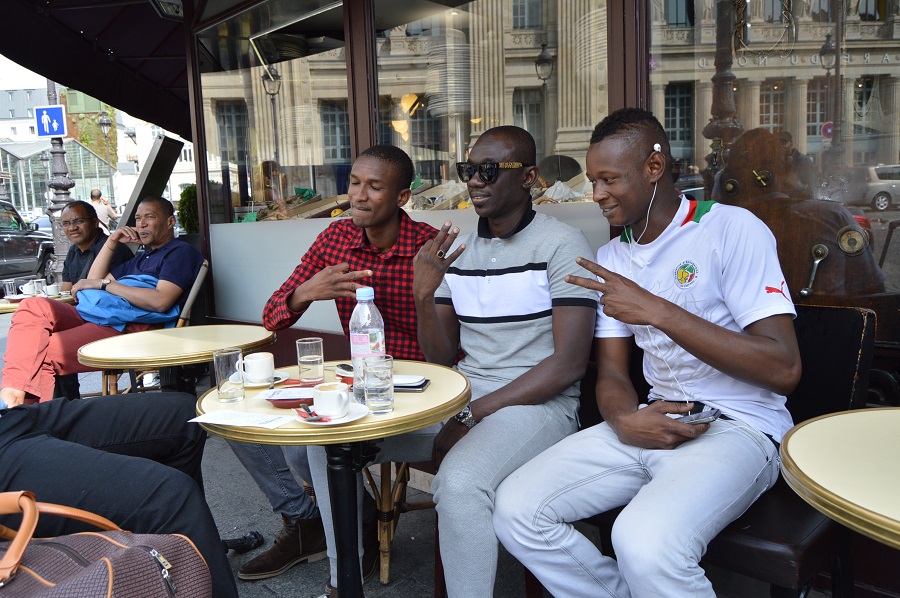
(847, 465)
(8, 307)
(349, 446)
(153, 349)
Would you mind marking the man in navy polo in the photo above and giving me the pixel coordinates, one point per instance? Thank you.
(45, 334)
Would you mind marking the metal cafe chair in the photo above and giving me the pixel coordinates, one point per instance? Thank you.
(781, 540)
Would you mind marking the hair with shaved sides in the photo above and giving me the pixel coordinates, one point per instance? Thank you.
(396, 157)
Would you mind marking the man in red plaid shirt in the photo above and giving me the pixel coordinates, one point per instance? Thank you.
(374, 248)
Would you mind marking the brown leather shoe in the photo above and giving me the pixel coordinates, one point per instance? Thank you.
(295, 543)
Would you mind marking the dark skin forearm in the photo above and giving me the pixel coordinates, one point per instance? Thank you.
(764, 355)
(438, 326)
(618, 402)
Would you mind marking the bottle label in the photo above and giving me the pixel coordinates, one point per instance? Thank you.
(366, 344)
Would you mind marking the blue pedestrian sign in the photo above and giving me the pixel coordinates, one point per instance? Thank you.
(50, 121)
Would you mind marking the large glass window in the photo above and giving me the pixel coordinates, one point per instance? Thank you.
(771, 105)
(680, 13)
(456, 72)
(797, 143)
(527, 14)
(274, 89)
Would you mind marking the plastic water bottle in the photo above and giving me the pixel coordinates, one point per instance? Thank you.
(366, 336)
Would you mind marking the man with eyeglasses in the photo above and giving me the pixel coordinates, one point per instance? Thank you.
(82, 227)
(45, 334)
(501, 297)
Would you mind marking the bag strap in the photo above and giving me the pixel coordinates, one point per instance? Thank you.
(23, 502)
(17, 502)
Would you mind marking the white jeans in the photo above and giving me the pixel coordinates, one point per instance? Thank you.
(678, 500)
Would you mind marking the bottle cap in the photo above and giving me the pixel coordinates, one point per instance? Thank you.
(365, 294)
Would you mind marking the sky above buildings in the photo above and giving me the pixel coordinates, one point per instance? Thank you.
(13, 76)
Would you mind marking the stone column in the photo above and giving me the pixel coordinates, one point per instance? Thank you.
(702, 114)
(889, 148)
(658, 101)
(581, 65)
(749, 104)
(796, 123)
(487, 75)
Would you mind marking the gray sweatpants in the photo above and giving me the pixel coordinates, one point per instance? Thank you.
(464, 487)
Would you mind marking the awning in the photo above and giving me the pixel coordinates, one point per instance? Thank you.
(118, 51)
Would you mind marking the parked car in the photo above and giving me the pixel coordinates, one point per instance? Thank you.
(863, 221)
(691, 185)
(43, 224)
(875, 186)
(24, 250)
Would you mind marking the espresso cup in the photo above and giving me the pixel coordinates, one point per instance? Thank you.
(27, 288)
(331, 399)
(52, 290)
(259, 367)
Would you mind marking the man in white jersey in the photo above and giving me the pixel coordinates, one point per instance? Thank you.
(699, 286)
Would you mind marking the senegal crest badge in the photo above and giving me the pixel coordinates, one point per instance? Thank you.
(686, 274)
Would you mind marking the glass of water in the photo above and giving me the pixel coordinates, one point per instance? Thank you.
(311, 360)
(378, 383)
(229, 366)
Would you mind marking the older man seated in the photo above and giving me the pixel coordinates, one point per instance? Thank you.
(81, 225)
(45, 335)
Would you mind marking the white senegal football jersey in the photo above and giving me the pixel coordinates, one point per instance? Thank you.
(720, 263)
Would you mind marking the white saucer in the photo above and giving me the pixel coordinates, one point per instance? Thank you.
(357, 411)
(280, 376)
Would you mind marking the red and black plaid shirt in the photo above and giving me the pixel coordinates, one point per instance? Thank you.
(392, 280)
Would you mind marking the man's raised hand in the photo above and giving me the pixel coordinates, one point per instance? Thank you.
(432, 261)
(333, 282)
(620, 297)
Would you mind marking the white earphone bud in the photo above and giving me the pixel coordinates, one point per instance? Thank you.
(657, 147)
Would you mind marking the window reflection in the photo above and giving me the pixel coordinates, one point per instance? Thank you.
(446, 77)
(801, 128)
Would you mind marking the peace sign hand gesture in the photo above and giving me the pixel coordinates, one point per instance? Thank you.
(621, 297)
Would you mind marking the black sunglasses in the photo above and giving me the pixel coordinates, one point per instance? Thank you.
(487, 171)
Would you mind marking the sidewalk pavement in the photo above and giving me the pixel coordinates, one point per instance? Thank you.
(240, 507)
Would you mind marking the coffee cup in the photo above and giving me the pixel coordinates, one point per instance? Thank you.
(27, 288)
(331, 399)
(259, 367)
(52, 290)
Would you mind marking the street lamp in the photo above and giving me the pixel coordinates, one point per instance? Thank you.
(828, 57)
(543, 65)
(272, 84)
(105, 124)
(45, 160)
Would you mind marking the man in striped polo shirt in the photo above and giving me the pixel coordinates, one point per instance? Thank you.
(501, 297)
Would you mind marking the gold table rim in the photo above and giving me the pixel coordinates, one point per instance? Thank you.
(352, 432)
(858, 518)
(180, 359)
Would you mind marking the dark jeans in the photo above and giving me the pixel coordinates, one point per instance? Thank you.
(133, 459)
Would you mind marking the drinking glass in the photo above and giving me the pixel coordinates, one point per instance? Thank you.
(9, 287)
(378, 383)
(229, 364)
(311, 360)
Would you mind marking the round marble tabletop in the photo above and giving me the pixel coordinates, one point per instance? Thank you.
(447, 394)
(847, 465)
(172, 346)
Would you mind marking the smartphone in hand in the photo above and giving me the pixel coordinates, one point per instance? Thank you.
(704, 417)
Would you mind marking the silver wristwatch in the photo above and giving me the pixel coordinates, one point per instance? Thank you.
(465, 417)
